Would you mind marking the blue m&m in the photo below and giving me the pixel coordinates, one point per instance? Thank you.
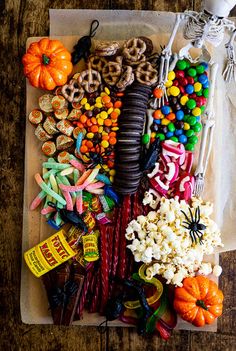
(179, 119)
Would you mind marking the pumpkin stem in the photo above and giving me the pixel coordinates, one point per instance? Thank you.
(201, 303)
(46, 59)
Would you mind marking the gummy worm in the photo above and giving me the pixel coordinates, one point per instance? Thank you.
(55, 165)
(37, 200)
(49, 191)
(77, 165)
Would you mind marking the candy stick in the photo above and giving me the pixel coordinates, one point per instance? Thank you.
(79, 202)
(54, 186)
(125, 219)
(77, 165)
(117, 216)
(79, 141)
(54, 165)
(53, 182)
(68, 198)
(47, 210)
(67, 171)
(84, 177)
(51, 159)
(103, 178)
(37, 200)
(84, 291)
(48, 173)
(110, 238)
(96, 185)
(91, 177)
(59, 205)
(58, 219)
(47, 189)
(75, 175)
(104, 267)
(97, 294)
(63, 180)
(97, 191)
(70, 188)
(92, 290)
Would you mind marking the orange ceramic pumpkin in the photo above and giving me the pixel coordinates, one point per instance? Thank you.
(47, 64)
(199, 301)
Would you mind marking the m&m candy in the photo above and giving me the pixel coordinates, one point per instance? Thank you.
(180, 119)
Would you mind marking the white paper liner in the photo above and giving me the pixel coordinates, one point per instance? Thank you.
(34, 306)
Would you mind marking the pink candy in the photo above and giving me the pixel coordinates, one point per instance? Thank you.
(171, 176)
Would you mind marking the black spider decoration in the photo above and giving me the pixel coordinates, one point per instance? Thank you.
(98, 158)
(195, 228)
(61, 296)
(70, 217)
(82, 48)
(151, 156)
(115, 306)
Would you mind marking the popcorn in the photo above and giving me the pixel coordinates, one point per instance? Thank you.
(161, 236)
(205, 268)
(217, 270)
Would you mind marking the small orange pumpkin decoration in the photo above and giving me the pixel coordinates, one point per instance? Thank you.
(47, 64)
(199, 301)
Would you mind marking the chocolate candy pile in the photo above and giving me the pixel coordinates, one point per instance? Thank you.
(131, 124)
(179, 119)
(59, 122)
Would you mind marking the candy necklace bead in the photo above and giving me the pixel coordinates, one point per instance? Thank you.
(196, 111)
(191, 104)
(192, 72)
(197, 127)
(181, 64)
(189, 89)
(200, 69)
(189, 147)
(189, 133)
(179, 115)
(183, 139)
(174, 91)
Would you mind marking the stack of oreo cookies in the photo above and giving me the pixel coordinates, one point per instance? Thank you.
(131, 125)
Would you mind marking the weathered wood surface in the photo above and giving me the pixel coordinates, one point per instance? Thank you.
(20, 19)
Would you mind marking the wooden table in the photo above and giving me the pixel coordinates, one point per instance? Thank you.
(19, 20)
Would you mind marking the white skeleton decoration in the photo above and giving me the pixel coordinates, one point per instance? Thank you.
(199, 28)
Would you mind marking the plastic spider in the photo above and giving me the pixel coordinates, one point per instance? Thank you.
(194, 226)
(61, 296)
(98, 158)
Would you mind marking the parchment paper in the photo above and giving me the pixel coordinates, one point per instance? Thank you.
(122, 24)
(118, 25)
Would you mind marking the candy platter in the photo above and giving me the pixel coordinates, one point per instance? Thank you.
(34, 306)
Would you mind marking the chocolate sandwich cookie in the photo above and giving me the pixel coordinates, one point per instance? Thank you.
(124, 125)
(128, 167)
(131, 175)
(126, 190)
(129, 157)
(136, 104)
(130, 114)
(129, 134)
(132, 185)
(129, 149)
(130, 141)
(137, 95)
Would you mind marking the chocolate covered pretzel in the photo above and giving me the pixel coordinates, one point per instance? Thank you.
(73, 92)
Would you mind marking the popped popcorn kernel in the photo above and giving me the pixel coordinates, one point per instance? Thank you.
(162, 236)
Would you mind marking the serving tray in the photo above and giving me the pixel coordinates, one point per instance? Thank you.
(34, 305)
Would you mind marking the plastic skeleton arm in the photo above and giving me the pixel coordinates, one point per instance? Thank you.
(165, 62)
(230, 69)
(208, 127)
